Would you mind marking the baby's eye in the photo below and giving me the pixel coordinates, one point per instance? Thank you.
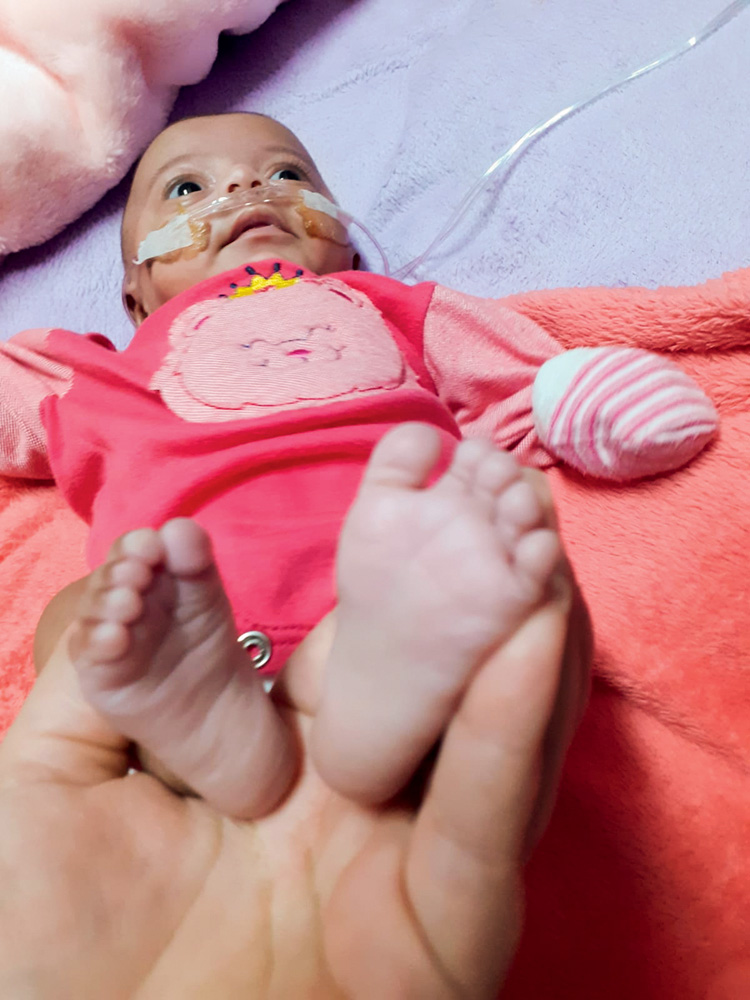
(286, 174)
(181, 189)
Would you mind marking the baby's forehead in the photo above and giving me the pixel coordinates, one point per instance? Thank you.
(216, 135)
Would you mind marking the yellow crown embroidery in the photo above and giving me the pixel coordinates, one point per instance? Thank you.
(258, 283)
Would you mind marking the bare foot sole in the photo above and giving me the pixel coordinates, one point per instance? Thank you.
(156, 653)
(432, 580)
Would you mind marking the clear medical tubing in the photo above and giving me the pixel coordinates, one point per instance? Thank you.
(371, 238)
(728, 14)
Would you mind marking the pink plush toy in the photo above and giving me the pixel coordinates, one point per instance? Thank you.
(85, 90)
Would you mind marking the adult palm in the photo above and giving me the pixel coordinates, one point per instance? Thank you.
(112, 886)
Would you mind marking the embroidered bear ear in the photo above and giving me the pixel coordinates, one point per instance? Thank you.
(189, 321)
(339, 288)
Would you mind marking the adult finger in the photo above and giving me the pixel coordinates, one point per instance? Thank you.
(539, 481)
(468, 844)
(58, 736)
(571, 700)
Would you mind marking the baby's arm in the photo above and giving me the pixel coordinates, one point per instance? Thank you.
(28, 374)
(616, 413)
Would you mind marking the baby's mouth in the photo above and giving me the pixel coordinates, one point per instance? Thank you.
(261, 220)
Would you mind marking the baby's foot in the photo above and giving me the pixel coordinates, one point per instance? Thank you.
(431, 581)
(156, 653)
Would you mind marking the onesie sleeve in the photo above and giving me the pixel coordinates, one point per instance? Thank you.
(483, 359)
(29, 373)
(617, 413)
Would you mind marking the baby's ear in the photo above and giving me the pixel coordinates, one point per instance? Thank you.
(131, 299)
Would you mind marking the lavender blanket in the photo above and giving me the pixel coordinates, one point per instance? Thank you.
(405, 105)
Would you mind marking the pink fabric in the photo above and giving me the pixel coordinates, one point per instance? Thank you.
(233, 358)
(272, 386)
(42, 549)
(28, 374)
(230, 437)
(484, 358)
(89, 87)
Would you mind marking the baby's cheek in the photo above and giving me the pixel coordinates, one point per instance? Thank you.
(320, 226)
(177, 272)
(200, 230)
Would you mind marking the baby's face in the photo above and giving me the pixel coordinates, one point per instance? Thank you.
(197, 160)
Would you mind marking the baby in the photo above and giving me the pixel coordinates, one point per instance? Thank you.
(268, 384)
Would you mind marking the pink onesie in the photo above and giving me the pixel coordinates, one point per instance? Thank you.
(251, 403)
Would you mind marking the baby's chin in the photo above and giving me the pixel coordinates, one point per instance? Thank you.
(321, 256)
(318, 256)
(243, 252)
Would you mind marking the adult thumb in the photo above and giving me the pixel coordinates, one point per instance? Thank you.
(58, 736)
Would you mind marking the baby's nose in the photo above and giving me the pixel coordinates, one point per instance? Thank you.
(242, 176)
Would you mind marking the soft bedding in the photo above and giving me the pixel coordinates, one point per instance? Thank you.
(640, 888)
(405, 105)
(89, 82)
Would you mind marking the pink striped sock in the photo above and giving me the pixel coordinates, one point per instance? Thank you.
(620, 413)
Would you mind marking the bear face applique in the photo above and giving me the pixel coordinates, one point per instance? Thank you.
(308, 343)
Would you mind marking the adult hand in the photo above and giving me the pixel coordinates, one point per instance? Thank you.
(113, 886)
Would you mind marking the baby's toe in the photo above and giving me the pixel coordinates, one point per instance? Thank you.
(111, 604)
(119, 604)
(403, 458)
(142, 543)
(518, 510)
(496, 473)
(468, 459)
(128, 572)
(109, 641)
(187, 547)
(537, 556)
(99, 642)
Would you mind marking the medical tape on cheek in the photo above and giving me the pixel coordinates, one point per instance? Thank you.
(322, 219)
(180, 233)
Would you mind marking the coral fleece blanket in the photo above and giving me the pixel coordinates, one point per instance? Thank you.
(641, 888)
